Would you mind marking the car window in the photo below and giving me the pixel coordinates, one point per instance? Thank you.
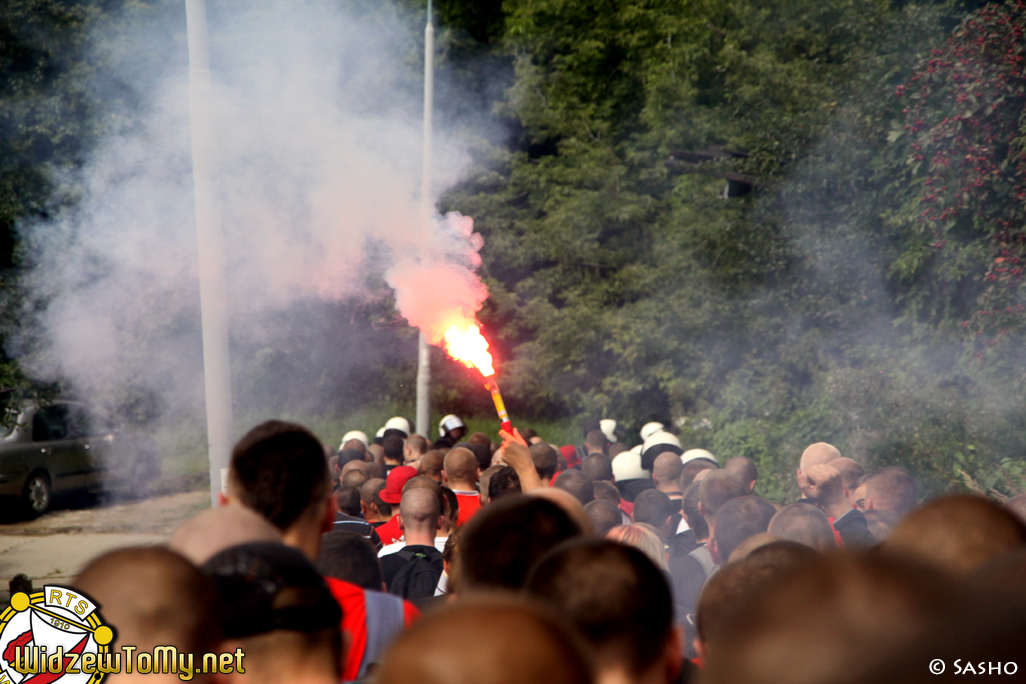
(50, 423)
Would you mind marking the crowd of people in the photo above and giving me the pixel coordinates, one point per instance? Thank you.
(395, 559)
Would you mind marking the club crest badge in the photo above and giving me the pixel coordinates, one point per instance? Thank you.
(54, 635)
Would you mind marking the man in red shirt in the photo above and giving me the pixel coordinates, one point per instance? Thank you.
(460, 470)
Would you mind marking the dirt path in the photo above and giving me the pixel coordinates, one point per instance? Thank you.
(54, 547)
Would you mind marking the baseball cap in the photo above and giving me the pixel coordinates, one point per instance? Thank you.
(393, 491)
(267, 586)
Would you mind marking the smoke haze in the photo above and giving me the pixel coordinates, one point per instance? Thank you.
(319, 135)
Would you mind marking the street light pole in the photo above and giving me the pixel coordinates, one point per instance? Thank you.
(213, 295)
(427, 213)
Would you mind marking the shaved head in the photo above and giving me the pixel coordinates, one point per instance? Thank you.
(604, 516)
(805, 524)
(419, 510)
(460, 466)
(959, 533)
(155, 597)
(210, 532)
(435, 649)
(666, 471)
(431, 464)
(362, 466)
(737, 520)
(1017, 505)
(744, 468)
(597, 468)
(692, 469)
(717, 488)
(545, 460)
(851, 471)
(818, 453)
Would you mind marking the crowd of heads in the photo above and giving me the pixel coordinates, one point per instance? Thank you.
(472, 560)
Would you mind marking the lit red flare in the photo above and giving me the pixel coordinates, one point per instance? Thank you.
(465, 343)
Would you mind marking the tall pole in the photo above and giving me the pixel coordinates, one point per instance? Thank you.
(427, 213)
(213, 296)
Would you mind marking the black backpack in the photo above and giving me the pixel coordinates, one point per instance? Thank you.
(419, 577)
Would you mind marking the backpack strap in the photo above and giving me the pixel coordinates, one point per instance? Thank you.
(385, 621)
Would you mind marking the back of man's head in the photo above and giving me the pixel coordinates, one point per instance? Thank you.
(959, 533)
(216, 529)
(347, 500)
(818, 453)
(692, 513)
(154, 597)
(653, 507)
(483, 452)
(840, 616)
(368, 488)
(730, 590)
(737, 520)
(503, 482)
(278, 469)
(805, 524)
(384, 508)
(419, 511)
(480, 439)
(691, 469)
(501, 543)
(596, 442)
(431, 464)
(347, 456)
(606, 490)
(597, 468)
(717, 488)
(484, 482)
(666, 470)
(545, 459)
(435, 649)
(354, 478)
(604, 516)
(417, 445)
(393, 446)
(354, 444)
(892, 489)
(615, 597)
(577, 484)
(850, 469)
(744, 468)
(460, 468)
(277, 608)
(350, 557)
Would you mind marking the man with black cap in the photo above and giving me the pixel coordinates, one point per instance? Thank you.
(278, 612)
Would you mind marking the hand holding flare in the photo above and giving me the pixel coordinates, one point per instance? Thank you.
(516, 455)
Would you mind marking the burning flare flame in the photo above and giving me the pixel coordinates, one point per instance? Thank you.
(465, 343)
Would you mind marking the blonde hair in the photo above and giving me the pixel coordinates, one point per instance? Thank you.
(644, 538)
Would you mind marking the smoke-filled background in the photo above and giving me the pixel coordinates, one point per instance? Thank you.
(862, 284)
(319, 149)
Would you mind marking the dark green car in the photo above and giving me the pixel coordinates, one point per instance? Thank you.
(64, 448)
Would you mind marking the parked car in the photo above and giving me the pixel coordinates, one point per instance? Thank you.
(65, 447)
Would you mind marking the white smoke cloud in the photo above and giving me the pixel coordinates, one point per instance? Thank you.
(319, 135)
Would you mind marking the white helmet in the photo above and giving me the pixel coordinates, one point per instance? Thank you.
(649, 429)
(355, 434)
(692, 454)
(398, 423)
(449, 423)
(608, 427)
(627, 466)
(380, 433)
(657, 443)
(636, 449)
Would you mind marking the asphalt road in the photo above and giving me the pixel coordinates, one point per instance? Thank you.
(55, 546)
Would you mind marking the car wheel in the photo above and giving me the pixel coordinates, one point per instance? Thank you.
(36, 497)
